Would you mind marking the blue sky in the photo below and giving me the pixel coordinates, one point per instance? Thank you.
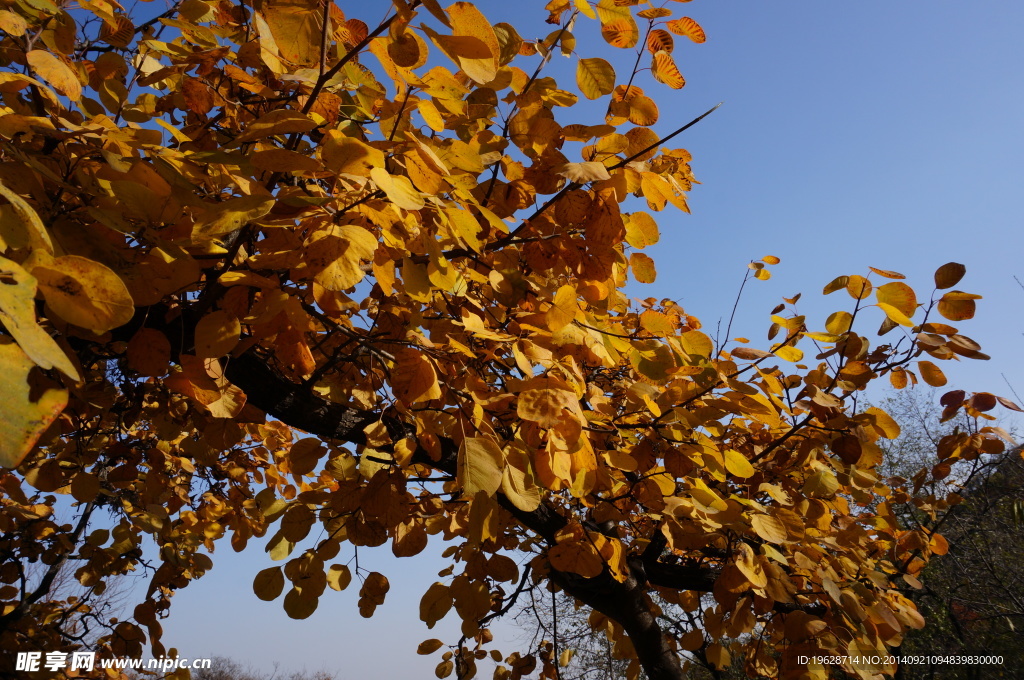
(852, 135)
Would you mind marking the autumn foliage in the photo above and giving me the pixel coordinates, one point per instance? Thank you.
(271, 270)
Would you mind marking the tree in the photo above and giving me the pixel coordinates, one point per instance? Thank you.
(267, 267)
(973, 598)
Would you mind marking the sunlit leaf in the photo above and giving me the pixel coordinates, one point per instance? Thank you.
(688, 27)
(595, 77)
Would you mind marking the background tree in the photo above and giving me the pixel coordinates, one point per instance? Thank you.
(267, 267)
(971, 599)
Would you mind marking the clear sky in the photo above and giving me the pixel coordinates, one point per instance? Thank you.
(883, 134)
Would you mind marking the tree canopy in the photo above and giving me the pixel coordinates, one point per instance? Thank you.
(270, 269)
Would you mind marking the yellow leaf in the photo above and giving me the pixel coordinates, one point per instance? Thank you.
(887, 274)
(519, 486)
(429, 646)
(949, 274)
(30, 403)
(300, 603)
(399, 190)
(641, 230)
(697, 344)
(12, 24)
(664, 70)
(37, 235)
(931, 373)
(471, 53)
(883, 423)
(413, 378)
(18, 314)
(338, 577)
(467, 20)
(585, 172)
(595, 77)
(821, 484)
(230, 215)
(544, 406)
(620, 32)
(737, 464)
(348, 155)
(643, 111)
(858, 287)
(956, 307)
(480, 465)
(896, 315)
(56, 72)
(769, 528)
(217, 334)
(788, 353)
(85, 293)
(296, 26)
(749, 566)
(771, 259)
(688, 27)
(838, 322)
(435, 603)
(899, 295)
(268, 584)
(643, 267)
(835, 284)
(563, 308)
(576, 557)
(336, 256)
(660, 40)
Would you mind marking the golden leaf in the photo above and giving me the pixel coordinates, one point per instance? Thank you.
(399, 190)
(858, 287)
(268, 584)
(563, 308)
(595, 77)
(413, 378)
(620, 32)
(643, 111)
(56, 72)
(769, 528)
(899, 295)
(641, 230)
(348, 155)
(33, 227)
(18, 314)
(660, 40)
(931, 373)
(230, 215)
(576, 557)
(737, 464)
(85, 293)
(643, 267)
(585, 172)
(435, 603)
(31, 403)
(480, 465)
(688, 27)
(664, 70)
(217, 334)
(337, 256)
(957, 306)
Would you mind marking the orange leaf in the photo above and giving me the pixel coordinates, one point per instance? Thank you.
(688, 27)
(664, 70)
